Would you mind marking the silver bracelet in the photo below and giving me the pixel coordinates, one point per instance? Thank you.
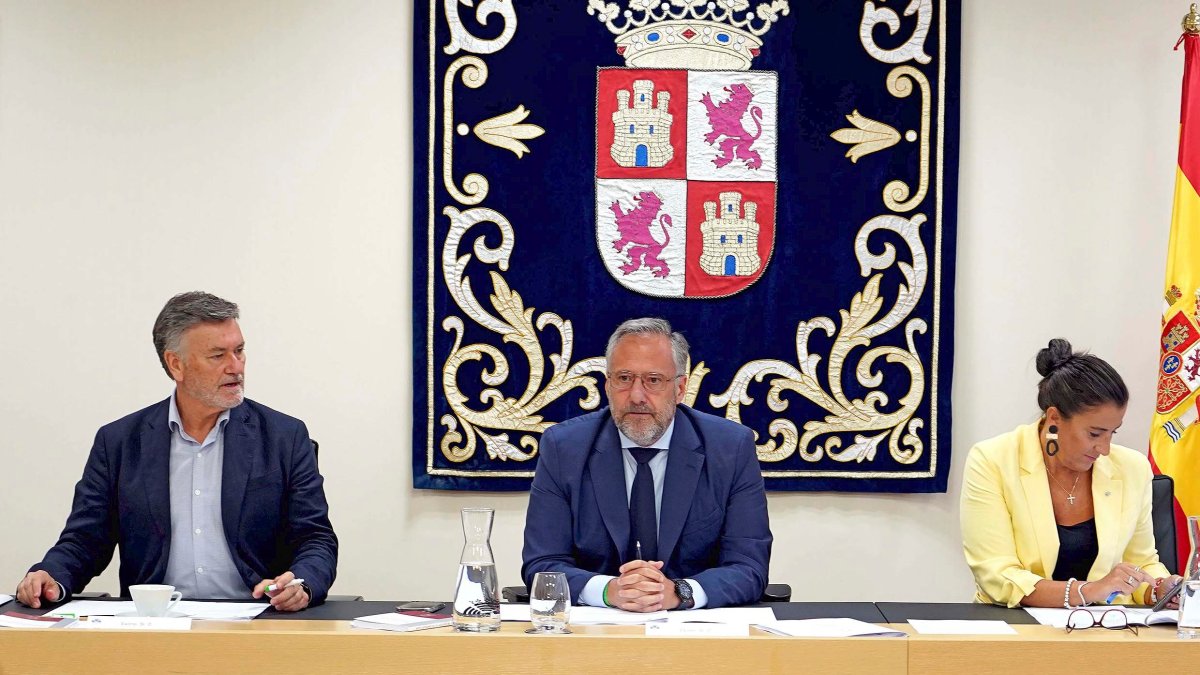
(1082, 600)
(1067, 594)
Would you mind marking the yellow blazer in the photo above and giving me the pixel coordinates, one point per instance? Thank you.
(1009, 535)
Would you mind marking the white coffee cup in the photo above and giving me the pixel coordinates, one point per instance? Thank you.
(154, 599)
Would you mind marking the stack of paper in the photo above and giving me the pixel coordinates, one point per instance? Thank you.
(134, 623)
(725, 615)
(584, 614)
(193, 609)
(612, 615)
(400, 622)
(1135, 616)
(8, 620)
(827, 628)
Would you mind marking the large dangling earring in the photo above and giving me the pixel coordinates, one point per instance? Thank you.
(1052, 440)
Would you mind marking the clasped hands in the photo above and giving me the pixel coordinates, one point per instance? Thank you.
(39, 585)
(642, 587)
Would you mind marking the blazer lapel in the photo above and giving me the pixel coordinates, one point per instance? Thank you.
(155, 465)
(1035, 484)
(685, 459)
(605, 465)
(241, 436)
(1107, 496)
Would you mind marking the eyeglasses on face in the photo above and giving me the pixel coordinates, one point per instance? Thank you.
(655, 382)
(1112, 619)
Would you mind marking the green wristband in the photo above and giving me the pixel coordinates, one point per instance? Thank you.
(604, 596)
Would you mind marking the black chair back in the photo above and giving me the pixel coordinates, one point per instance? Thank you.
(1162, 512)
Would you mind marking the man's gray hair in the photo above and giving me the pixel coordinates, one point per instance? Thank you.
(652, 326)
(181, 313)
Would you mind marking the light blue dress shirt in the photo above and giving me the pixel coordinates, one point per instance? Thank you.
(593, 593)
(199, 563)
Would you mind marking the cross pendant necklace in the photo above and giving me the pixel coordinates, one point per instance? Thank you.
(1071, 492)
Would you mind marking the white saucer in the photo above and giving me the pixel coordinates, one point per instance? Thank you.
(169, 615)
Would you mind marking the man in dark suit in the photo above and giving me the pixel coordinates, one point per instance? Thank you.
(208, 491)
(648, 504)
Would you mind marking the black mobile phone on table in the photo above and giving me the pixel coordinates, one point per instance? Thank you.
(420, 606)
(1162, 602)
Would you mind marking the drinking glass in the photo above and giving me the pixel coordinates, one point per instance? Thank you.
(549, 603)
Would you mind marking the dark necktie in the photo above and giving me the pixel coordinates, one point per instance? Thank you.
(642, 517)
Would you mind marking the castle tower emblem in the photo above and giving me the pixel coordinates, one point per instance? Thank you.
(642, 132)
(730, 236)
(687, 140)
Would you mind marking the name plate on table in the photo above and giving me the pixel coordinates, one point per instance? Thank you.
(135, 623)
(697, 630)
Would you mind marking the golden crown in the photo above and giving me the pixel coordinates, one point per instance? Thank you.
(699, 34)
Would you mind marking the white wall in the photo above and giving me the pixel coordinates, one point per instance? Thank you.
(262, 151)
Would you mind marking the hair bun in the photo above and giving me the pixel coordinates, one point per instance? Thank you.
(1053, 356)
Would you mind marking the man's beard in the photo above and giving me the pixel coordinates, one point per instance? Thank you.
(645, 433)
(221, 399)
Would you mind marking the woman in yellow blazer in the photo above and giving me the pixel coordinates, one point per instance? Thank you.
(1055, 515)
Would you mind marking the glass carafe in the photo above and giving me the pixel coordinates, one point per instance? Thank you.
(477, 594)
(1189, 595)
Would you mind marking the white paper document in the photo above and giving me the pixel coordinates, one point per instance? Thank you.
(134, 623)
(511, 612)
(5, 598)
(18, 622)
(192, 609)
(698, 629)
(1057, 618)
(961, 627)
(1136, 616)
(395, 621)
(611, 615)
(729, 615)
(828, 628)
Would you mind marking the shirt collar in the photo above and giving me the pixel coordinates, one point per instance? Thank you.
(175, 422)
(663, 442)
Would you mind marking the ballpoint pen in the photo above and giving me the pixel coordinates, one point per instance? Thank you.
(275, 587)
(639, 549)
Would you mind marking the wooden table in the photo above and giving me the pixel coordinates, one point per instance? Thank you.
(1042, 649)
(294, 647)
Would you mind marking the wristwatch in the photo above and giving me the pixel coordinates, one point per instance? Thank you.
(684, 590)
(307, 591)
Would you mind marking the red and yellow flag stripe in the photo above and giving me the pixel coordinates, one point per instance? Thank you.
(1175, 435)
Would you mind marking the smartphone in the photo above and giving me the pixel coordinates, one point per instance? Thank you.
(420, 606)
(1162, 602)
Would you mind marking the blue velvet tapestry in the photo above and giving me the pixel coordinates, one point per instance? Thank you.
(776, 178)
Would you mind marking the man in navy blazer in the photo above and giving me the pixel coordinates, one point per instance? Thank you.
(221, 517)
(645, 530)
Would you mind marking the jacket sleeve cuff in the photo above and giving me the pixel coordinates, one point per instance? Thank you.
(1021, 582)
(698, 594)
(593, 593)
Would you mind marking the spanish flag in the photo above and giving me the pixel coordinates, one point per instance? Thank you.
(1174, 435)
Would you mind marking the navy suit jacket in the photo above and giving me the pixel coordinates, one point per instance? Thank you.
(273, 504)
(713, 524)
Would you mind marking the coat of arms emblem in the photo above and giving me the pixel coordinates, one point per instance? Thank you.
(686, 147)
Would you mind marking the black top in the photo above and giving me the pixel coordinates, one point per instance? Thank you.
(1077, 550)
